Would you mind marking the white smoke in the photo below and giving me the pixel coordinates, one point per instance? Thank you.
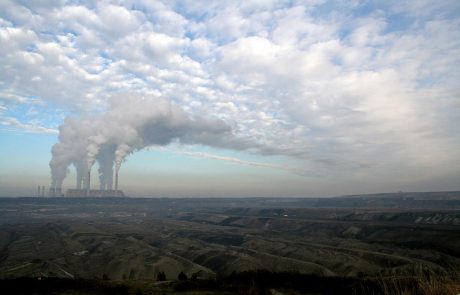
(120, 154)
(132, 123)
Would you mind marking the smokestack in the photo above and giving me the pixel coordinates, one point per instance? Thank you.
(116, 180)
(52, 192)
(43, 191)
(58, 192)
(88, 182)
(78, 180)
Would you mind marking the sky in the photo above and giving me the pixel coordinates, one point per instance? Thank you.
(302, 98)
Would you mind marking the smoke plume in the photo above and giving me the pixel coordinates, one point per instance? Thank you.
(131, 123)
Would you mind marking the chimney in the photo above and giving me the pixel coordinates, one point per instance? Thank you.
(116, 181)
(78, 180)
(109, 183)
(58, 192)
(88, 182)
(43, 191)
(52, 192)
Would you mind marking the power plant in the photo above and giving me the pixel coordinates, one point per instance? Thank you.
(40, 191)
(130, 124)
(94, 193)
(104, 191)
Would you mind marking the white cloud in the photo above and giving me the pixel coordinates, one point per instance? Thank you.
(118, 21)
(238, 161)
(32, 128)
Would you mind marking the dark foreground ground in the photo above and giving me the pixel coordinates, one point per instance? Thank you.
(377, 244)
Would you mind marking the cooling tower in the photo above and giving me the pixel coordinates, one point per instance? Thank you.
(78, 181)
(88, 181)
(116, 180)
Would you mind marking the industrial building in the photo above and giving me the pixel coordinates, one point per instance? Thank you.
(87, 191)
(94, 193)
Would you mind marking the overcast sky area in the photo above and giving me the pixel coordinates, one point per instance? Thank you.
(302, 98)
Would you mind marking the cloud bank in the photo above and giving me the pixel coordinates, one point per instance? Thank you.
(352, 90)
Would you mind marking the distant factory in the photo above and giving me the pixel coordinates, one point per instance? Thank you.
(103, 191)
(40, 191)
(94, 193)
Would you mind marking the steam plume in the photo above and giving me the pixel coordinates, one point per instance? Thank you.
(132, 123)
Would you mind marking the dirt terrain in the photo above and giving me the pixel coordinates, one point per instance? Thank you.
(126, 239)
